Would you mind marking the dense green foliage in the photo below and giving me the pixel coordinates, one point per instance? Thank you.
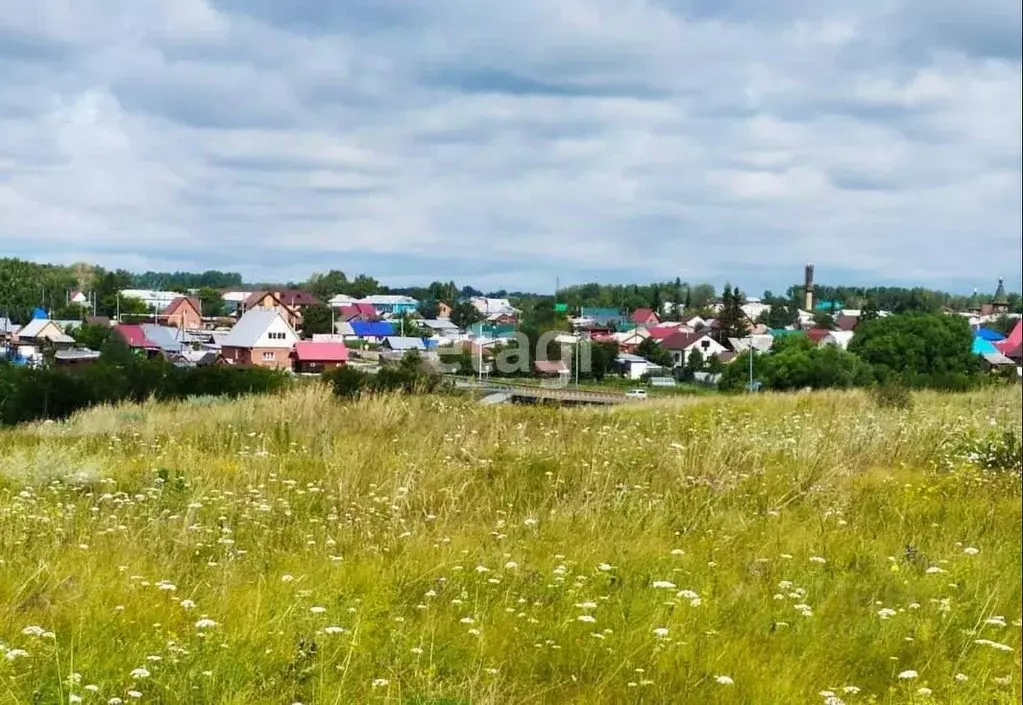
(410, 376)
(929, 350)
(30, 394)
(796, 363)
(186, 281)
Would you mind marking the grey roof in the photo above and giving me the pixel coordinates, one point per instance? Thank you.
(395, 342)
(343, 328)
(630, 358)
(250, 327)
(438, 324)
(33, 327)
(997, 358)
(166, 338)
(8, 326)
(76, 354)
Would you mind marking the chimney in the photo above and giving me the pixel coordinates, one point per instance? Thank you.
(808, 288)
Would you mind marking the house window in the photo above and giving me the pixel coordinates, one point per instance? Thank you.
(704, 344)
(268, 357)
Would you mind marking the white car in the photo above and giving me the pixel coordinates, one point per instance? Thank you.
(636, 394)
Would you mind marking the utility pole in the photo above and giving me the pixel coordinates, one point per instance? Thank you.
(751, 363)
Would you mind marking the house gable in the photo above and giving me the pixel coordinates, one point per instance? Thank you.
(278, 334)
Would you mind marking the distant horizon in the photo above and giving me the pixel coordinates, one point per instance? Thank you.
(718, 286)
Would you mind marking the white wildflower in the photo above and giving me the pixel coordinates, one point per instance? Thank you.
(971, 551)
(724, 680)
(906, 675)
(586, 618)
(205, 623)
(317, 609)
(661, 632)
(663, 585)
(140, 673)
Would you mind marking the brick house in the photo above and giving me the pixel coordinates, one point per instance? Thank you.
(262, 337)
(271, 301)
(183, 312)
(645, 317)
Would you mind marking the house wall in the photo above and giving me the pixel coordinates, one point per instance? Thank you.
(185, 318)
(279, 327)
(255, 356)
(315, 367)
(706, 345)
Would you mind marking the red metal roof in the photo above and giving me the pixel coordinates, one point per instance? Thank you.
(320, 351)
(643, 315)
(680, 340)
(817, 334)
(662, 332)
(135, 336)
(363, 310)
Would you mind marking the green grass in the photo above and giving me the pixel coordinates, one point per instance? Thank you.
(431, 550)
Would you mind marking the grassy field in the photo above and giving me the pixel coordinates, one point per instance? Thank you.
(429, 550)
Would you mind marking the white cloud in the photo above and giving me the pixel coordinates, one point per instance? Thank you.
(506, 143)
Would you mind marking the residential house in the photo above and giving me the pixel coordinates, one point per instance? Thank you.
(816, 335)
(168, 339)
(184, 313)
(262, 337)
(391, 304)
(78, 297)
(74, 358)
(694, 323)
(682, 344)
(666, 330)
(628, 341)
(233, 300)
(339, 300)
(134, 336)
(443, 310)
(595, 317)
(840, 338)
(846, 322)
(759, 343)
(1013, 341)
(551, 368)
(314, 357)
(754, 309)
(644, 317)
(634, 366)
(374, 331)
(43, 330)
(155, 301)
(441, 328)
(403, 345)
(8, 330)
(493, 307)
(357, 311)
(270, 301)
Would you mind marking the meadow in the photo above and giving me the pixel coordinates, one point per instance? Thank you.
(810, 548)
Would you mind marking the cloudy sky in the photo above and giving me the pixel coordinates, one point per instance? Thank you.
(504, 144)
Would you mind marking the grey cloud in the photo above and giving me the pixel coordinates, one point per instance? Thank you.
(591, 138)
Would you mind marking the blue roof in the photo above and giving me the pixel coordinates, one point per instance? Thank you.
(983, 347)
(40, 313)
(988, 334)
(778, 332)
(372, 329)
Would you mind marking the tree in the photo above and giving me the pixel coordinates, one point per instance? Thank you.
(694, 363)
(732, 319)
(869, 311)
(920, 350)
(326, 286)
(429, 309)
(700, 296)
(93, 336)
(211, 303)
(795, 363)
(316, 320)
(823, 319)
(652, 351)
(464, 314)
(778, 316)
(409, 326)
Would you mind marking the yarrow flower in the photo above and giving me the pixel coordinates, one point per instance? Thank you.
(661, 632)
(907, 675)
(724, 680)
(140, 673)
(663, 585)
(205, 623)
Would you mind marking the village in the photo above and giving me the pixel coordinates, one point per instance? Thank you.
(265, 328)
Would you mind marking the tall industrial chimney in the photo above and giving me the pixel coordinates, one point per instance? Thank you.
(808, 288)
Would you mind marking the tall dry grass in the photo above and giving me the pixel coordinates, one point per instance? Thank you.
(430, 550)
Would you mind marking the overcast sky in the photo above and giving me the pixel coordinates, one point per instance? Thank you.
(504, 144)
